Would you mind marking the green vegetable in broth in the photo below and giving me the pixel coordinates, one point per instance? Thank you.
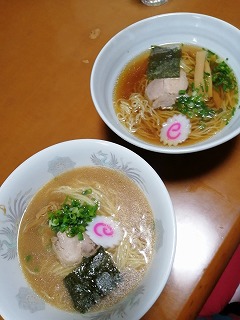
(194, 106)
(72, 217)
(164, 62)
(28, 258)
(222, 76)
(92, 280)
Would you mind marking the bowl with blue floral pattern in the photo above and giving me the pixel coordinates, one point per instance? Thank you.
(118, 167)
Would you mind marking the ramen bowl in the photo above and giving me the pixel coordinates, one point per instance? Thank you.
(174, 28)
(18, 299)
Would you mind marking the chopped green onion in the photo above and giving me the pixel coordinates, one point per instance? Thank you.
(223, 76)
(28, 258)
(194, 106)
(73, 216)
(87, 191)
(182, 92)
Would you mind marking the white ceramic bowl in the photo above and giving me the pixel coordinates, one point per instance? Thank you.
(18, 301)
(209, 32)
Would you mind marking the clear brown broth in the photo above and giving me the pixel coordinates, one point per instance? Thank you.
(131, 80)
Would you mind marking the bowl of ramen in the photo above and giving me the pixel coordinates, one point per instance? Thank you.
(170, 83)
(87, 232)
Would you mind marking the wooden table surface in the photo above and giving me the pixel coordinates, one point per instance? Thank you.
(46, 57)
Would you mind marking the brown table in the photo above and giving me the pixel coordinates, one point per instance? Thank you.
(46, 58)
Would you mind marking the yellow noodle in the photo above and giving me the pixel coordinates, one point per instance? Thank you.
(40, 216)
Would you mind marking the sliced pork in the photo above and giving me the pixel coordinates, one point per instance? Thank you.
(70, 251)
(163, 92)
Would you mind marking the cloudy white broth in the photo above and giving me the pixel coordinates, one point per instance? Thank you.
(118, 199)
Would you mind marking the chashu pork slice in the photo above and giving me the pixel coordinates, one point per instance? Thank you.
(70, 251)
(163, 92)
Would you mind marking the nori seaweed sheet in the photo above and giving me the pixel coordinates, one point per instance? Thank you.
(93, 279)
(164, 62)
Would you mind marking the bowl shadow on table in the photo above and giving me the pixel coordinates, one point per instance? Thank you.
(177, 167)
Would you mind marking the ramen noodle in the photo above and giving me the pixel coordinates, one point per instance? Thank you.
(119, 199)
(209, 101)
